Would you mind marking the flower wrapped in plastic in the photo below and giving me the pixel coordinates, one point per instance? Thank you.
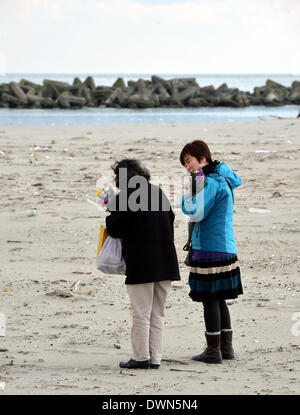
(198, 181)
(104, 194)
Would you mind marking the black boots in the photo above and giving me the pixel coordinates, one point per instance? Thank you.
(219, 346)
(226, 345)
(133, 364)
(212, 353)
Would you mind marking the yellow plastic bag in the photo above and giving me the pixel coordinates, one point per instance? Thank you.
(102, 237)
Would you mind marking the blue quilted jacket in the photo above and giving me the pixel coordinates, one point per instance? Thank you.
(212, 210)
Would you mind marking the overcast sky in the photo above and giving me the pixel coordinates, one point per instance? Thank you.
(148, 36)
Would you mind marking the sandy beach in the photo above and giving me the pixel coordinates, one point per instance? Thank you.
(68, 325)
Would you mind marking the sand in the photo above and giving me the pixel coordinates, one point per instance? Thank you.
(61, 340)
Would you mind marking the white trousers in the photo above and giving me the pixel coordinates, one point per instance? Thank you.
(148, 311)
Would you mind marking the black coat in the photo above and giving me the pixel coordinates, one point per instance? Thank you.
(147, 240)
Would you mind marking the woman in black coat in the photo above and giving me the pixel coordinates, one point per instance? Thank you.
(142, 217)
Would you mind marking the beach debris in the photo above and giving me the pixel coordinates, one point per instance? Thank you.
(63, 313)
(255, 210)
(4, 290)
(125, 373)
(74, 286)
(175, 361)
(31, 214)
(2, 325)
(267, 390)
(40, 148)
(2, 385)
(84, 137)
(116, 346)
(187, 370)
(2, 154)
(71, 326)
(87, 176)
(15, 249)
(90, 292)
(25, 242)
(276, 194)
(59, 293)
(265, 151)
(297, 346)
(3, 350)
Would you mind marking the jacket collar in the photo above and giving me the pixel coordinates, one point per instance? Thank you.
(210, 168)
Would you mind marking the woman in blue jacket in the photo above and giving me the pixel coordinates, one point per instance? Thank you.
(215, 273)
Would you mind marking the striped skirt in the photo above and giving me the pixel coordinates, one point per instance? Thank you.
(214, 275)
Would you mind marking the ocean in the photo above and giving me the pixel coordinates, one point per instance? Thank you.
(112, 116)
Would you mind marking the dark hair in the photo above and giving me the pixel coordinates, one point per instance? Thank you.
(133, 167)
(198, 149)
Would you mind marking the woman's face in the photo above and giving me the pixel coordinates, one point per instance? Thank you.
(191, 163)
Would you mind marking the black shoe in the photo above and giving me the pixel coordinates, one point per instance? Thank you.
(133, 364)
(154, 366)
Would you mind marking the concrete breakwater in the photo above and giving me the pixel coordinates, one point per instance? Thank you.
(157, 92)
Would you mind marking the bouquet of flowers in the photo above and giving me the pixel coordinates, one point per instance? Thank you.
(104, 194)
(198, 181)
